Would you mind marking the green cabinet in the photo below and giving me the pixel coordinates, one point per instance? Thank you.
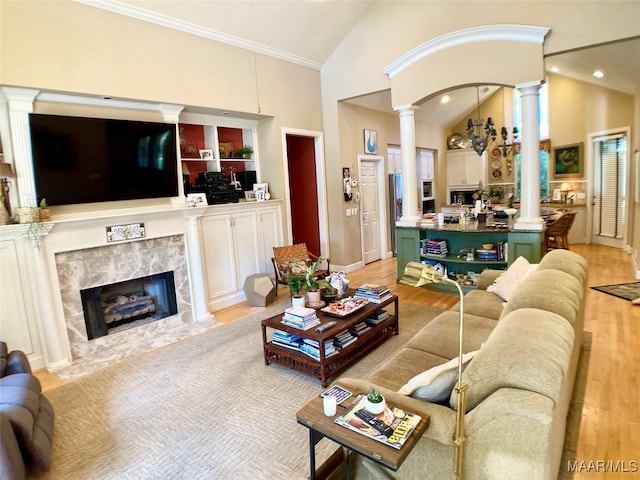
(460, 240)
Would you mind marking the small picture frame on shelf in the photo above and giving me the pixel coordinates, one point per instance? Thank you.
(261, 186)
(196, 200)
(206, 154)
(250, 196)
(260, 195)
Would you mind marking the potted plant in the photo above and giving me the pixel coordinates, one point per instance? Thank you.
(497, 193)
(311, 282)
(245, 152)
(44, 212)
(328, 293)
(296, 284)
(374, 401)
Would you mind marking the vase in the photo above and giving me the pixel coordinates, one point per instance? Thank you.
(375, 408)
(313, 297)
(298, 301)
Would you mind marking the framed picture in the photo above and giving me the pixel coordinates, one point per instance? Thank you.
(206, 154)
(370, 142)
(196, 200)
(249, 196)
(568, 161)
(263, 187)
(260, 195)
(346, 184)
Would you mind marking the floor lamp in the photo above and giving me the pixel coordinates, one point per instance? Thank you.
(429, 275)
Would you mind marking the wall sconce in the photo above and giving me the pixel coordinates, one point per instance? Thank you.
(6, 172)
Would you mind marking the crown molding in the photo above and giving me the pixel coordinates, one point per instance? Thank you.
(120, 8)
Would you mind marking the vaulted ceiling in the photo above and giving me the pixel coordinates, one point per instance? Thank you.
(307, 32)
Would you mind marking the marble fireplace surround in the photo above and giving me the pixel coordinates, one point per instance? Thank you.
(77, 256)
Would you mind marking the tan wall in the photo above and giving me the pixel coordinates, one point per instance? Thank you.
(73, 48)
(635, 224)
(395, 28)
(577, 108)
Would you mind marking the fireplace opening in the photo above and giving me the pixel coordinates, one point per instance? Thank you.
(122, 305)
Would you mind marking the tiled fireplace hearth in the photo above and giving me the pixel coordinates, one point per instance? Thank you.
(118, 263)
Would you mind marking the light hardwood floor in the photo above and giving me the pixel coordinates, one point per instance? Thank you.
(610, 428)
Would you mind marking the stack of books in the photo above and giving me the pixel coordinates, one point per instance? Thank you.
(312, 348)
(487, 254)
(287, 340)
(344, 338)
(302, 318)
(377, 317)
(373, 292)
(361, 328)
(437, 247)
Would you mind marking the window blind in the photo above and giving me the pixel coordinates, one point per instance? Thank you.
(609, 185)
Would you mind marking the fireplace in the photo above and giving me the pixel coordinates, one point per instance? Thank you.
(118, 306)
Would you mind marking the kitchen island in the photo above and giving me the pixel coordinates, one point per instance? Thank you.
(419, 244)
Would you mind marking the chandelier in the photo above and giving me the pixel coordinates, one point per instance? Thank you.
(479, 133)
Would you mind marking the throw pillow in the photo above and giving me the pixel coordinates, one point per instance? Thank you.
(437, 383)
(294, 267)
(506, 283)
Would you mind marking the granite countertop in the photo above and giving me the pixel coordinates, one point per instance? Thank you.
(456, 227)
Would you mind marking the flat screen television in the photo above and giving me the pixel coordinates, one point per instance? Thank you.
(86, 160)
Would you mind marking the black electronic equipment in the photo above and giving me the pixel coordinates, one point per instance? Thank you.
(217, 187)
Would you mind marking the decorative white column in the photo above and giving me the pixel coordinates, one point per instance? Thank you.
(196, 272)
(410, 211)
(19, 102)
(53, 334)
(529, 218)
(171, 114)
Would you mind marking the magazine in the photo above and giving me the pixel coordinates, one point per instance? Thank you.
(403, 423)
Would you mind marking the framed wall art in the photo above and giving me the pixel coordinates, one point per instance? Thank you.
(370, 142)
(568, 161)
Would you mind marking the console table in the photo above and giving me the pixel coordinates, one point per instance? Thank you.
(327, 367)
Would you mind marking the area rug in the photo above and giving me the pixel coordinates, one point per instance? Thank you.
(628, 291)
(203, 408)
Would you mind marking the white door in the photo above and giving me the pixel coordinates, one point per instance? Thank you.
(370, 211)
(609, 189)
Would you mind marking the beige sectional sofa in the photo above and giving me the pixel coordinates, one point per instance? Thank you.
(520, 381)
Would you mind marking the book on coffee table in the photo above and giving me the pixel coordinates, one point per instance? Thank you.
(401, 423)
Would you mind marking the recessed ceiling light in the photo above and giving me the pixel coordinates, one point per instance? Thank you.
(598, 74)
(554, 69)
(445, 99)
